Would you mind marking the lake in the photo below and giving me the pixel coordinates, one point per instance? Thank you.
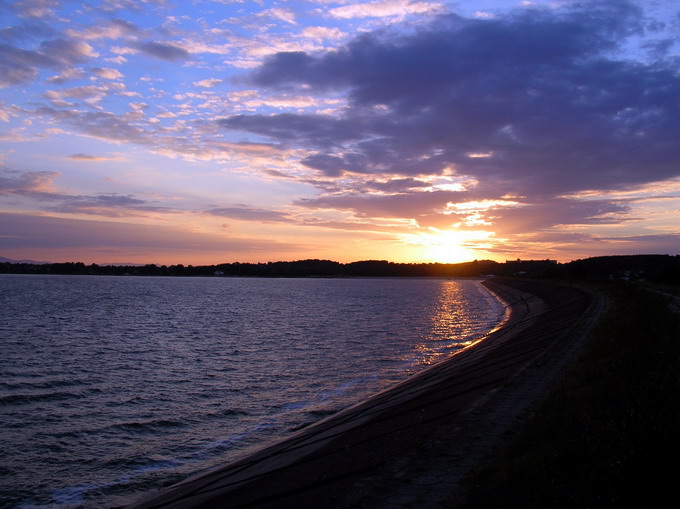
(111, 387)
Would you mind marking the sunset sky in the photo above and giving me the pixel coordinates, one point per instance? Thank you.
(209, 131)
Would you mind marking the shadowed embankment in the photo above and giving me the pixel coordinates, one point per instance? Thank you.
(607, 435)
(413, 443)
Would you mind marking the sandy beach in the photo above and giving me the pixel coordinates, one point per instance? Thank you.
(411, 445)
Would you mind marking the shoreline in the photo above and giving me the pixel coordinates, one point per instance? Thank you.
(425, 423)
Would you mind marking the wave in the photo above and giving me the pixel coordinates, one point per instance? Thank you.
(152, 426)
(23, 399)
(40, 385)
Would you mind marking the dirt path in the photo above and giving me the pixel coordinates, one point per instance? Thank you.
(411, 445)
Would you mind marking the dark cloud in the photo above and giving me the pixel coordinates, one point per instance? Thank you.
(544, 94)
(17, 182)
(65, 51)
(86, 157)
(396, 185)
(109, 205)
(162, 50)
(429, 208)
(19, 65)
(402, 205)
(556, 212)
(318, 131)
(243, 213)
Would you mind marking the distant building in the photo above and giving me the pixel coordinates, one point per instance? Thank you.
(548, 261)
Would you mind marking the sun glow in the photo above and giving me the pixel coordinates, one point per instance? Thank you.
(450, 246)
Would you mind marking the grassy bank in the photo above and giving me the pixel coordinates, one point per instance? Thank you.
(609, 434)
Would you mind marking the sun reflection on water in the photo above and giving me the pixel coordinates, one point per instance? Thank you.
(453, 327)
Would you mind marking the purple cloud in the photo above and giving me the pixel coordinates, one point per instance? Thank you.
(556, 212)
(385, 205)
(19, 182)
(19, 65)
(243, 213)
(317, 130)
(100, 124)
(39, 186)
(109, 205)
(162, 50)
(537, 91)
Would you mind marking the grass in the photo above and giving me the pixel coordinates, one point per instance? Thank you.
(609, 434)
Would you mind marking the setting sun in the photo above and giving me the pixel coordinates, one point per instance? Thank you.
(450, 246)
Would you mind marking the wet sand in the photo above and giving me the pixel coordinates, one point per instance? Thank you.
(411, 445)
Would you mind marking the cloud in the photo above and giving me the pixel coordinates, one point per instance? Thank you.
(208, 83)
(545, 95)
(19, 65)
(84, 92)
(88, 157)
(316, 130)
(6, 112)
(66, 75)
(67, 51)
(285, 15)
(243, 213)
(100, 124)
(556, 212)
(39, 185)
(395, 185)
(128, 5)
(411, 205)
(384, 8)
(108, 73)
(251, 100)
(21, 182)
(657, 243)
(34, 8)
(162, 50)
(94, 239)
(109, 205)
(114, 29)
(583, 245)
(322, 33)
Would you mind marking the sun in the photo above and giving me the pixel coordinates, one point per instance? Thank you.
(450, 246)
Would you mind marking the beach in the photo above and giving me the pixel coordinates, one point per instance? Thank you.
(411, 445)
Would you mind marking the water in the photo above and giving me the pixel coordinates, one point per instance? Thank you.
(114, 386)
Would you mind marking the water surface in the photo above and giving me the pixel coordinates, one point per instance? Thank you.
(112, 386)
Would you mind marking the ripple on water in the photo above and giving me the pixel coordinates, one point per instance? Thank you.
(115, 386)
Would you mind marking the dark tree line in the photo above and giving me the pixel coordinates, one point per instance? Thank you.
(301, 268)
(654, 268)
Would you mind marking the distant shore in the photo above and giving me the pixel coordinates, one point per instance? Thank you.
(656, 268)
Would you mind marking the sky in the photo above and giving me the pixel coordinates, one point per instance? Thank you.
(212, 131)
